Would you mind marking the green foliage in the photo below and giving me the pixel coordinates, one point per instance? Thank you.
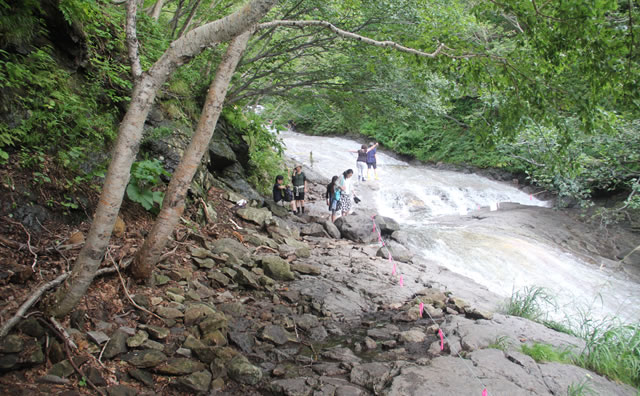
(145, 178)
(502, 343)
(543, 353)
(530, 303)
(581, 389)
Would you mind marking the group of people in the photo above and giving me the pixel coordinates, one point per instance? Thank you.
(339, 192)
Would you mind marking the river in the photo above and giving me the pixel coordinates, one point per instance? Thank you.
(439, 209)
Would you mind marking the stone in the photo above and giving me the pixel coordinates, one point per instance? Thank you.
(116, 345)
(246, 278)
(160, 279)
(52, 379)
(306, 269)
(145, 358)
(159, 333)
(198, 382)
(329, 369)
(277, 334)
(12, 343)
(217, 384)
(184, 352)
(119, 227)
(278, 210)
(233, 309)
(383, 333)
(230, 247)
(306, 321)
(281, 229)
(303, 252)
(331, 229)
(474, 313)
(175, 297)
(318, 333)
(143, 376)
(413, 335)
(244, 341)
(151, 344)
(386, 225)
(302, 386)
(370, 343)
(313, 229)
(197, 312)
(205, 263)
(233, 196)
(431, 296)
(94, 375)
(255, 215)
(218, 277)
(242, 371)
(121, 390)
(31, 327)
(398, 252)
(192, 343)
(460, 304)
(277, 268)
(201, 253)
(260, 240)
(169, 313)
(356, 228)
(215, 337)
(179, 366)
(341, 354)
(138, 339)
(61, 369)
(373, 376)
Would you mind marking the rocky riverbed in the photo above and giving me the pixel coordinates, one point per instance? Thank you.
(297, 305)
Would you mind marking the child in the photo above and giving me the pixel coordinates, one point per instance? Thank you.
(282, 194)
(333, 197)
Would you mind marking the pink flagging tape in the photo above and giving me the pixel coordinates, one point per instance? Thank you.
(401, 282)
(393, 271)
(421, 308)
(484, 392)
(530, 197)
(441, 340)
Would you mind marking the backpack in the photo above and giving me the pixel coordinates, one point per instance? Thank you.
(288, 195)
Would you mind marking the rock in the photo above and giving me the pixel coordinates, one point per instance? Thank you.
(357, 228)
(11, 344)
(402, 237)
(196, 313)
(306, 321)
(277, 334)
(280, 229)
(218, 277)
(293, 386)
(121, 390)
(559, 377)
(52, 379)
(138, 339)
(230, 247)
(370, 343)
(246, 278)
(119, 227)
(303, 252)
(242, 371)
(232, 196)
(413, 335)
(169, 313)
(242, 340)
(398, 252)
(150, 344)
(460, 304)
(31, 327)
(383, 333)
(98, 337)
(205, 263)
(260, 240)
(341, 354)
(386, 225)
(373, 376)
(313, 229)
(61, 369)
(159, 333)
(179, 366)
(94, 375)
(175, 297)
(331, 229)
(143, 376)
(160, 279)
(306, 269)
(218, 321)
(318, 333)
(432, 297)
(474, 313)
(145, 358)
(278, 210)
(329, 369)
(257, 216)
(116, 345)
(277, 268)
(199, 382)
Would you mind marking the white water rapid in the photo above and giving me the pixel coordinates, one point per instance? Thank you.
(436, 207)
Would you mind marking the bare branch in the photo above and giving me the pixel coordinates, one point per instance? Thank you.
(132, 39)
(350, 35)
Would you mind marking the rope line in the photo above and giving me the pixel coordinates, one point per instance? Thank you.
(440, 332)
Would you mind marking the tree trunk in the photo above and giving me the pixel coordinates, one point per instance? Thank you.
(129, 135)
(173, 203)
(157, 9)
(192, 14)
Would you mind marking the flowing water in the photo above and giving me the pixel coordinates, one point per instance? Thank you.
(500, 256)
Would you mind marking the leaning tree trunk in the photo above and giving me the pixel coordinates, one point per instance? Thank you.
(157, 9)
(173, 203)
(130, 134)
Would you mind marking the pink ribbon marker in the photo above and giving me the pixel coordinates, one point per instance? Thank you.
(530, 199)
(421, 308)
(400, 281)
(484, 392)
(393, 271)
(441, 340)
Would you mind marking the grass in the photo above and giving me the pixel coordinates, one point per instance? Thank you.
(501, 343)
(581, 389)
(611, 348)
(543, 353)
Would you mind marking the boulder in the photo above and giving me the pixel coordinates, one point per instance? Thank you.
(312, 229)
(278, 210)
(145, 358)
(398, 252)
(230, 247)
(279, 229)
(277, 334)
(357, 228)
(277, 268)
(242, 371)
(179, 366)
(386, 225)
(373, 376)
(246, 278)
(331, 229)
(198, 382)
(255, 215)
(196, 313)
(116, 345)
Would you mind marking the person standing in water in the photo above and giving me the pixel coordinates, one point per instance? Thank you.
(299, 181)
(372, 159)
(361, 162)
(346, 190)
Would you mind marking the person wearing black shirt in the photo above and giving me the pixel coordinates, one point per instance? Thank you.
(281, 192)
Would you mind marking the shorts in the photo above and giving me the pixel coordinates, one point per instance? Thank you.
(298, 193)
(333, 206)
(371, 165)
